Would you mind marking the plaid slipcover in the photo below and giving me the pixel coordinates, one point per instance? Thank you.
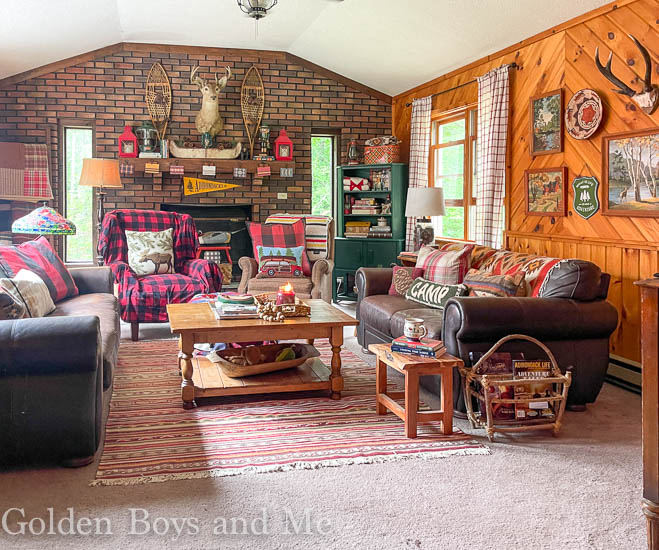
(144, 299)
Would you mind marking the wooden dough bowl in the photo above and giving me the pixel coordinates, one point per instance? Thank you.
(268, 354)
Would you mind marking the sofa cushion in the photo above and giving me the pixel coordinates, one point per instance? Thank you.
(432, 320)
(576, 279)
(536, 268)
(377, 310)
(280, 236)
(447, 267)
(151, 252)
(480, 283)
(39, 257)
(28, 289)
(402, 279)
(106, 308)
(301, 285)
(479, 254)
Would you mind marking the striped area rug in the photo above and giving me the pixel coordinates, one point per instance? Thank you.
(150, 437)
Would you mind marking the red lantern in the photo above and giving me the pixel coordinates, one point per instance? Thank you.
(128, 143)
(283, 147)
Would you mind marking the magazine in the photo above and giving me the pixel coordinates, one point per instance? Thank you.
(534, 372)
(498, 365)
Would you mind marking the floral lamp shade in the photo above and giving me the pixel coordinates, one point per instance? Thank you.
(43, 221)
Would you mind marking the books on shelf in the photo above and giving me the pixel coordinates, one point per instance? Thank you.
(366, 210)
(365, 202)
(426, 347)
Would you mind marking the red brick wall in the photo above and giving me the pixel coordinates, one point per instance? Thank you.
(110, 91)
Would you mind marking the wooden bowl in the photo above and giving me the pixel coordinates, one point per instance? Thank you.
(268, 353)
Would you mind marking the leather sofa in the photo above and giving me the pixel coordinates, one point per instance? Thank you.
(571, 316)
(54, 371)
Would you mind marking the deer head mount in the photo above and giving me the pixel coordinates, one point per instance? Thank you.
(208, 119)
(647, 99)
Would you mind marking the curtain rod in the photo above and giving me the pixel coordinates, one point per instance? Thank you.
(512, 65)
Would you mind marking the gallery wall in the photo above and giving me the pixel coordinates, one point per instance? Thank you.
(627, 247)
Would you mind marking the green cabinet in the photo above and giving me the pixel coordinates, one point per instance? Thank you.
(351, 253)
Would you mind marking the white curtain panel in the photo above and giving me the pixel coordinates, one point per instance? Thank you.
(492, 141)
(419, 149)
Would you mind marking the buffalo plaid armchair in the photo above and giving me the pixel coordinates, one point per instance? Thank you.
(144, 299)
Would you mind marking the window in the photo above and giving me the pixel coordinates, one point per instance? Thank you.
(78, 200)
(322, 175)
(452, 166)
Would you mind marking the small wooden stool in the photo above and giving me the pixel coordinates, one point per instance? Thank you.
(413, 366)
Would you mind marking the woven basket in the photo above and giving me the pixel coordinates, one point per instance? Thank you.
(269, 351)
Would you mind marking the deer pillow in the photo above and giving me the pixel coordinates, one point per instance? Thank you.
(150, 252)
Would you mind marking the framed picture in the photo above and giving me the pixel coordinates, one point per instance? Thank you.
(546, 112)
(631, 173)
(545, 191)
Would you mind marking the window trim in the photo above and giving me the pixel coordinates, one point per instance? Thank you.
(64, 124)
(471, 135)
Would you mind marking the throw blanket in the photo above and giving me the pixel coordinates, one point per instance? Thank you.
(24, 172)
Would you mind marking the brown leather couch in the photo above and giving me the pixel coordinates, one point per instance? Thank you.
(54, 371)
(571, 316)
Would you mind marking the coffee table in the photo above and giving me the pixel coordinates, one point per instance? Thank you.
(196, 324)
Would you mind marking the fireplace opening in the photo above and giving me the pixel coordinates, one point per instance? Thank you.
(221, 217)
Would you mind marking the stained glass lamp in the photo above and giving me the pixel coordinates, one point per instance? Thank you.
(43, 221)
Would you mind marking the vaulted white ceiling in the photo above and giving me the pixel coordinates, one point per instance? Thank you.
(389, 45)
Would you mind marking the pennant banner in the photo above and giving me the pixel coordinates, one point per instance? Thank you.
(194, 186)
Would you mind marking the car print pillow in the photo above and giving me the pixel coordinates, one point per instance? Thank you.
(280, 262)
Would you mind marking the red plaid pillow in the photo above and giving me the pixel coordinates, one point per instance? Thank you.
(40, 258)
(278, 235)
(447, 267)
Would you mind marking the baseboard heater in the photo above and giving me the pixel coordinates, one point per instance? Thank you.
(624, 373)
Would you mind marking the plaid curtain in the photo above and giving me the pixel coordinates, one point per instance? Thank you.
(419, 148)
(492, 141)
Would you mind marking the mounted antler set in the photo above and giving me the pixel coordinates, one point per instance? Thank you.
(208, 120)
(648, 99)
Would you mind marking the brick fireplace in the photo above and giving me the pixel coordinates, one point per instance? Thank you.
(107, 90)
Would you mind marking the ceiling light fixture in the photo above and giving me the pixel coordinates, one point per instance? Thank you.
(256, 9)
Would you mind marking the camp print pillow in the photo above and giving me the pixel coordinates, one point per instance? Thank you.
(433, 294)
(280, 262)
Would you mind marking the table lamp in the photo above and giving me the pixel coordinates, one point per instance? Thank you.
(43, 220)
(422, 203)
(100, 173)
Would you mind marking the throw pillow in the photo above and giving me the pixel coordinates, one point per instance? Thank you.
(433, 294)
(316, 232)
(10, 308)
(479, 254)
(447, 267)
(29, 289)
(486, 284)
(39, 257)
(278, 235)
(150, 252)
(280, 262)
(402, 279)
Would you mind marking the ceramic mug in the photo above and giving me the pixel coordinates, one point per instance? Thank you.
(414, 329)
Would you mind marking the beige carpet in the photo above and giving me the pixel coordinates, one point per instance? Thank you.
(579, 491)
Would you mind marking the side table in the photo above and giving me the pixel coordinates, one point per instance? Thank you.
(412, 367)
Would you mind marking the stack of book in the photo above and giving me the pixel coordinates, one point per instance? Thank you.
(366, 206)
(380, 232)
(226, 311)
(426, 347)
(357, 229)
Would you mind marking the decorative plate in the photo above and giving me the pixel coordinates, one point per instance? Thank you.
(583, 114)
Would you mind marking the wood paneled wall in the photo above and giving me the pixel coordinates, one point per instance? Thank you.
(562, 57)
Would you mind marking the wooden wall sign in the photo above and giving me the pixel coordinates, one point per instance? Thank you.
(194, 186)
(586, 202)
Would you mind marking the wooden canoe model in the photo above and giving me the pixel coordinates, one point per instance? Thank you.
(158, 98)
(252, 101)
(197, 153)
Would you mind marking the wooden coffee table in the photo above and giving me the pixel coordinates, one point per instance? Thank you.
(196, 324)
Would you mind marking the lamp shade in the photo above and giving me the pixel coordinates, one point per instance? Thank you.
(100, 173)
(423, 202)
(43, 221)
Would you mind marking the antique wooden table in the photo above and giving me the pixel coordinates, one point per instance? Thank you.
(413, 367)
(196, 323)
(650, 406)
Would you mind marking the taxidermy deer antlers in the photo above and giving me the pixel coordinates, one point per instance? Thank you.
(648, 99)
(208, 119)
